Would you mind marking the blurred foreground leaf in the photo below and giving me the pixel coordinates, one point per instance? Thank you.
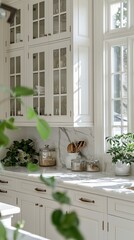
(43, 128)
(22, 91)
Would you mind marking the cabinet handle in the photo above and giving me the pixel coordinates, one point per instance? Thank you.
(36, 204)
(45, 35)
(40, 190)
(49, 34)
(3, 191)
(41, 205)
(86, 200)
(2, 181)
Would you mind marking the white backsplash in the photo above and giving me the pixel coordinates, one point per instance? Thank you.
(59, 139)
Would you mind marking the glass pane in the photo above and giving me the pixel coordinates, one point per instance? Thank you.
(12, 82)
(12, 66)
(35, 11)
(117, 112)
(119, 12)
(18, 35)
(63, 20)
(12, 107)
(18, 107)
(18, 65)
(42, 80)
(63, 81)
(56, 82)
(41, 9)
(56, 105)
(41, 28)
(63, 57)
(18, 18)
(35, 62)
(35, 104)
(55, 24)
(55, 6)
(35, 83)
(116, 130)
(35, 30)
(64, 105)
(62, 5)
(18, 81)
(12, 36)
(116, 59)
(56, 58)
(124, 111)
(42, 60)
(125, 58)
(124, 86)
(42, 106)
(116, 86)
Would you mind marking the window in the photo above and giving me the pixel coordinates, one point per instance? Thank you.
(114, 62)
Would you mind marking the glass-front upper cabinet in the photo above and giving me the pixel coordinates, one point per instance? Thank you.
(16, 80)
(49, 74)
(48, 20)
(15, 30)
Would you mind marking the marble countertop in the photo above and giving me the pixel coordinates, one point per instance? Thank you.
(94, 182)
(7, 210)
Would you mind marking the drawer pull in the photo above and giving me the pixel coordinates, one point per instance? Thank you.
(36, 204)
(40, 190)
(86, 200)
(2, 181)
(3, 191)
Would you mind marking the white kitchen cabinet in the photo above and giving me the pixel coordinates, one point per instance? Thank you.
(51, 98)
(62, 29)
(48, 20)
(91, 223)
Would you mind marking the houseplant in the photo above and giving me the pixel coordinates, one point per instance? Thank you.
(121, 148)
(20, 153)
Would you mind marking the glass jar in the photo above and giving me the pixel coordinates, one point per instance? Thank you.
(78, 165)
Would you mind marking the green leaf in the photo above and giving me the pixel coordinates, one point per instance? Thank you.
(10, 124)
(48, 181)
(3, 234)
(22, 91)
(4, 140)
(60, 197)
(18, 226)
(43, 128)
(2, 125)
(32, 167)
(31, 113)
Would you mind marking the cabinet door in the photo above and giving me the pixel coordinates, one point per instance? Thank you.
(51, 232)
(49, 71)
(48, 20)
(91, 223)
(29, 206)
(120, 229)
(15, 34)
(16, 76)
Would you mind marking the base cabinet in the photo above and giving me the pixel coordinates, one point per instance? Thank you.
(91, 223)
(120, 229)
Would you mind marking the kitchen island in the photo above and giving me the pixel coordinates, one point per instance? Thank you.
(104, 203)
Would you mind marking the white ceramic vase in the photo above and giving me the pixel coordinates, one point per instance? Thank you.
(122, 169)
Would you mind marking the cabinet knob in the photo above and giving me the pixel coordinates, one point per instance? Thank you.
(40, 190)
(86, 200)
(3, 191)
(36, 204)
(45, 35)
(41, 205)
(49, 34)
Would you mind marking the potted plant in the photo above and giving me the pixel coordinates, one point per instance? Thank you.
(20, 153)
(122, 151)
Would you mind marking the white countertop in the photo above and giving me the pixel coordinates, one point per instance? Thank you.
(95, 182)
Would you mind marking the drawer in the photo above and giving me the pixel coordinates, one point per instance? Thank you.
(121, 208)
(90, 201)
(33, 188)
(7, 183)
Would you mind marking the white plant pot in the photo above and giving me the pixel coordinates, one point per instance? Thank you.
(122, 169)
